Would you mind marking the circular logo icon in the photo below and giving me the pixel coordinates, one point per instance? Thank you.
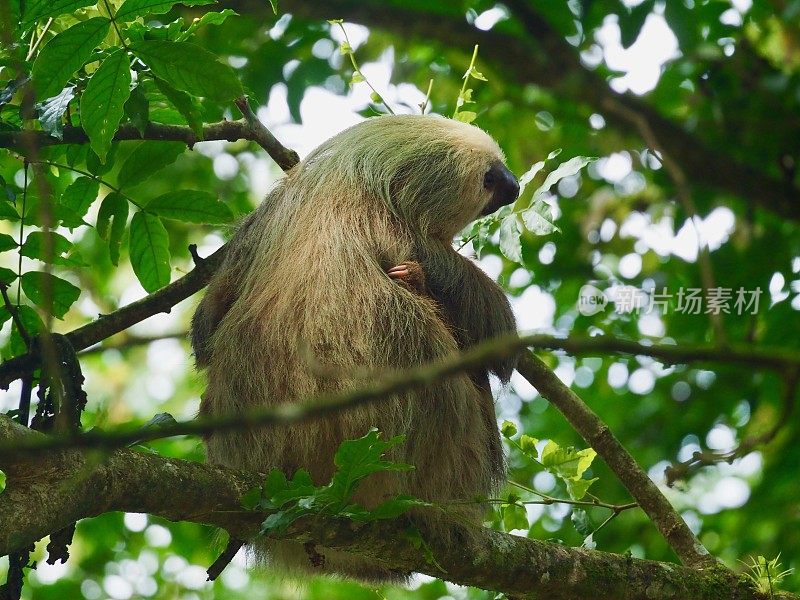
(591, 300)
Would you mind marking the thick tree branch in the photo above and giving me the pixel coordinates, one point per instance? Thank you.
(72, 484)
(602, 440)
(541, 56)
(231, 131)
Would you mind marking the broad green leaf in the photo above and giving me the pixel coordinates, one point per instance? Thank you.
(7, 242)
(63, 55)
(42, 9)
(34, 247)
(8, 212)
(131, 9)
(147, 158)
(113, 210)
(38, 286)
(190, 68)
(103, 100)
(51, 112)
(95, 166)
(510, 244)
(7, 276)
(185, 104)
(76, 200)
(577, 487)
(528, 445)
(567, 462)
(149, 251)
(393, 508)
(137, 109)
(191, 206)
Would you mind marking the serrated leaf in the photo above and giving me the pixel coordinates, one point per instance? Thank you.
(34, 247)
(191, 206)
(567, 462)
(185, 104)
(42, 9)
(149, 251)
(190, 68)
(113, 210)
(510, 243)
(76, 200)
(465, 116)
(355, 459)
(38, 285)
(391, 509)
(51, 112)
(64, 54)
(131, 9)
(7, 242)
(148, 158)
(103, 101)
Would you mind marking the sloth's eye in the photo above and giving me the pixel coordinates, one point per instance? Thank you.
(489, 180)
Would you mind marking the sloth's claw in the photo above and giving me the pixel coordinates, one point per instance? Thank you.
(410, 275)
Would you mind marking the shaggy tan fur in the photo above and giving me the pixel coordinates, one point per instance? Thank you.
(306, 275)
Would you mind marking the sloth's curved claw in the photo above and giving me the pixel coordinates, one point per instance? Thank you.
(410, 275)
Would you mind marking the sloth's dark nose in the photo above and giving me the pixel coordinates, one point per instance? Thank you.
(503, 185)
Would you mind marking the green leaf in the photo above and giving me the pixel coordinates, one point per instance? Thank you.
(538, 219)
(186, 105)
(7, 276)
(510, 244)
(190, 68)
(565, 169)
(137, 109)
(42, 9)
(190, 206)
(465, 116)
(103, 100)
(7, 242)
(149, 251)
(33, 326)
(76, 200)
(210, 18)
(51, 112)
(528, 446)
(148, 158)
(514, 517)
(131, 9)
(391, 509)
(8, 212)
(38, 285)
(35, 243)
(114, 210)
(577, 487)
(359, 458)
(508, 429)
(64, 54)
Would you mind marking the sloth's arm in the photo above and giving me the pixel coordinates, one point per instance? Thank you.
(474, 306)
(222, 292)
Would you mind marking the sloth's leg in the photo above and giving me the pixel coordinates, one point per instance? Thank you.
(411, 274)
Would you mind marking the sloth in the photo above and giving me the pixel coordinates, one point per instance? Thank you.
(346, 270)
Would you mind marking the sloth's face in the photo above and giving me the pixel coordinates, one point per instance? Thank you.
(501, 187)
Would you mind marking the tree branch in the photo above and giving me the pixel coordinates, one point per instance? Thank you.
(249, 128)
(69, 485)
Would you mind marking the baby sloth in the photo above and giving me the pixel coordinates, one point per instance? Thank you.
(347, 268)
